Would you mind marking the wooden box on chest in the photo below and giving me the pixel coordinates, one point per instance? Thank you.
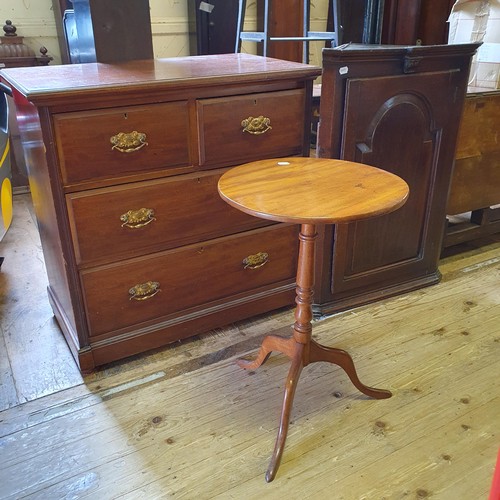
(396, 108)
(124, 161)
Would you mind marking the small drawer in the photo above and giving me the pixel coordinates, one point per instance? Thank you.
(144, 289)
(111, 224)
(121, 141)
(251, 127)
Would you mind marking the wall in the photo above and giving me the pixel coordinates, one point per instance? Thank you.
(170, 25)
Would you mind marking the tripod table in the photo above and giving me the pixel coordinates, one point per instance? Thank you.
(309, 191)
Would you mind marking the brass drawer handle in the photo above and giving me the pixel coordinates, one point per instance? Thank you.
(138, 218)
(128, 142)
(256, 126)
(255, 261)
(144, 291)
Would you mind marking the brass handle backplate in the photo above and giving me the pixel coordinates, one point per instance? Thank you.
(144, 291)
(128, 142)
(138, 218)
(255, 261)
(256, 126)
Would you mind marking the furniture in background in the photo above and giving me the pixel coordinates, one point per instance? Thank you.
(103, 30)
(419, 22)
(397, 108)
(60, 7)
(361, 20)
(309, 191)
(13, 54)
(215, 26)
(124, 161)
(474, 202)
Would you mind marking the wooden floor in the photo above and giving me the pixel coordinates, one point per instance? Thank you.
(186, 422)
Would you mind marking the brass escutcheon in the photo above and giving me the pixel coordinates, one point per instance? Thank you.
(255, 261)
(144, 291)
(138, 218)
(128, 142)
(256, 126)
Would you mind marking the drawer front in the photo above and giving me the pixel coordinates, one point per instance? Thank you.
(121, 141)
(121, 222)
(228, 121)
(187, 278)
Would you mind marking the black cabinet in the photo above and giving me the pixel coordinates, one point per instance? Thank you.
(216, 23)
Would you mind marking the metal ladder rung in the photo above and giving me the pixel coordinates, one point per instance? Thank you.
(311, 38)
(254, 36)
(259, 36)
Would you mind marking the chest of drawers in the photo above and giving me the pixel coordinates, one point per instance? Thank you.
(123, 165)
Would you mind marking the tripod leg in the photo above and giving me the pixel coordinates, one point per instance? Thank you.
(341, 358)
(291, 384)
(269, 344)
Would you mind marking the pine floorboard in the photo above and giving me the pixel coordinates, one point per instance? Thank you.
(185, 422)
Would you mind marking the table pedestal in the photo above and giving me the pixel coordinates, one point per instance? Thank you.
(301, 348)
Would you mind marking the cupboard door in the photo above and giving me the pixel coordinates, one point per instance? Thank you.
(397, 123)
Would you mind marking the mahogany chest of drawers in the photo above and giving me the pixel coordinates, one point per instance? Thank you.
(123, 165)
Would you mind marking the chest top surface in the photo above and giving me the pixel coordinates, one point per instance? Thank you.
(312, 190)
(42, 83)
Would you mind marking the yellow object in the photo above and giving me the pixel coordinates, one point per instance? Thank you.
(5, 153)
(5, 192)
(6, 201)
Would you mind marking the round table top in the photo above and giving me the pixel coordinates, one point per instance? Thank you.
(312, 190)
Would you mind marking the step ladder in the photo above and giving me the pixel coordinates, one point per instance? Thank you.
(308, 36)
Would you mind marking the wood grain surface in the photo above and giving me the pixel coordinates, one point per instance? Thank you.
(312, 190)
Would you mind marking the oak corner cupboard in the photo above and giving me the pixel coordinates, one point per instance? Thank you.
(123, 162)
(397, 108)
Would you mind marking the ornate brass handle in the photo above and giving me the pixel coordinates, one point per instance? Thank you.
(128, 142)
(144, 291)
(255, 261)
(138, 218)
(256, 126)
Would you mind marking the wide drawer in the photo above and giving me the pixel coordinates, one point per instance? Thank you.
(251, 127)
(120, 141)
(111, 224)
(144, 289)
